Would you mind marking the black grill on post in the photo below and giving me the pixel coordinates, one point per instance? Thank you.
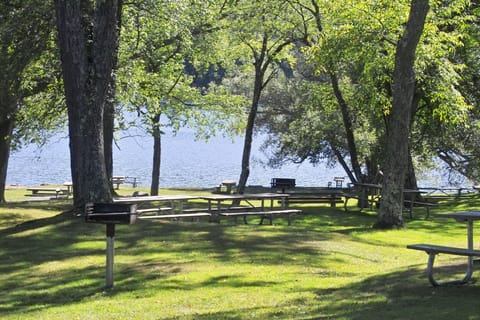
(282, 183)
(110, 214)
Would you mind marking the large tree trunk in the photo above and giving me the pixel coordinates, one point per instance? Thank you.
(88, 41)
(109, 112)
(108, 130)
(6, 127)
(157, 154)
(398, 129)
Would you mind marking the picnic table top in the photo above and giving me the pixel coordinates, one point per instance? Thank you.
(462, 215)
(172, 197)
(266, 195)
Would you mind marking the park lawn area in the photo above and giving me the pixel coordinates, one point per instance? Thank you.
(328, 264)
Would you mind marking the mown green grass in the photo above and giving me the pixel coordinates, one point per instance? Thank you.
(327, 265)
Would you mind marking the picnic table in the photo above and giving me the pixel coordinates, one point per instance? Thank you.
(148, 210)
(369, 196)
(226, 186)
(118, 180)
(434, 194)
(52, 190)
(411, 200)
(432, 250)
(218, 206)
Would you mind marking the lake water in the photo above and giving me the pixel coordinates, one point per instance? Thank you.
(185, 163)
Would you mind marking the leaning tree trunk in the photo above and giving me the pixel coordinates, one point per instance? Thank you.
(398, 129)
(347, 123)
(247, 145)
(6, 127)
(88, 41)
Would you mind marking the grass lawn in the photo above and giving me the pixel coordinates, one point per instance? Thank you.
(328, 264)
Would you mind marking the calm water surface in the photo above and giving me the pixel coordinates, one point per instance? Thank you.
(185, 163)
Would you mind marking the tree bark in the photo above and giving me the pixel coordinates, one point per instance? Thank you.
(398, 128)
(347, 122)
(109, 110)
(6, 128)
(108, 129)
(247, 145)
(157, 153)
(88, 41)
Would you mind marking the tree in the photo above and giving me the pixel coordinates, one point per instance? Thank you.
(332, 117)
(263, 33)
(25, 29)
(390, 212)
(354, 43)
(445, 125)
(88, 41)
(158, 43)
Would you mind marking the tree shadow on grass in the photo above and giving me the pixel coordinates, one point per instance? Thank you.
(402, 295)
(398, 295)
(33, 245)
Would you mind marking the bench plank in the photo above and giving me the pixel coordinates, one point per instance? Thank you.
(176, 216)
(147, 210)
(430, 248)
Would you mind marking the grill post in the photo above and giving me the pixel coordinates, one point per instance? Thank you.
(110, 228)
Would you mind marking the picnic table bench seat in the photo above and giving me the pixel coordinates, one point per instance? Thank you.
(158, 209)
(432, 250)
(267, 214)
(214, 210)
(176, 216)
(332, 198)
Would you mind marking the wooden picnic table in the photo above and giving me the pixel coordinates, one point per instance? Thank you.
(118, 180)
(51, 190)
(367, 194)
(410, 200)
(442, 193)
(217, 205)
(176, 203)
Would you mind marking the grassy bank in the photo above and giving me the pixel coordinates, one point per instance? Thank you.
(328, 265)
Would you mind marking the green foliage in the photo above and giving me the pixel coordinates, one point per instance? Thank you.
(29, 82)
(157, 40)
(43, 109)
(356, 40)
